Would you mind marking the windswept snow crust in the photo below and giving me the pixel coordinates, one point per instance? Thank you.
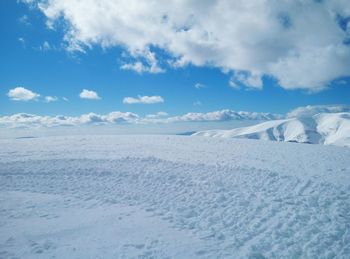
(172, 196)
(322, 128)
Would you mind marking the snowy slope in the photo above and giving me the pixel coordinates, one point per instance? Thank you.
(323, 128)
(172, 196)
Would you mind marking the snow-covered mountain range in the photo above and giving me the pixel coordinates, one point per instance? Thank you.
(321, 128)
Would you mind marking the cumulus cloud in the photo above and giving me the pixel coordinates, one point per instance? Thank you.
(88, 94)
(22, 94)
(311, 110)
(247, 39)
(143, 99)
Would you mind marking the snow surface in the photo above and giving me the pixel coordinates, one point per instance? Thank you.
(172, 196)
(323, 128)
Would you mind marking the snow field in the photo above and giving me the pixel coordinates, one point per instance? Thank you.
(260, 199)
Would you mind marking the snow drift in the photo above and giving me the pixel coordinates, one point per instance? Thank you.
(322, 128)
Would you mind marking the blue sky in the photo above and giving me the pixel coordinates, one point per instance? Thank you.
(59, 72)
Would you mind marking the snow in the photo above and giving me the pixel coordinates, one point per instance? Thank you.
(322, 128)
(66, 228)
(172, 196)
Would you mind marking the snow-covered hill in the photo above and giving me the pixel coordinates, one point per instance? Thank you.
(172, 197)
(322, 128)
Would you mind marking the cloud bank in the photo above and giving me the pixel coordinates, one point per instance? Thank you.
(24, 120)
(301, 44)
(21, 120)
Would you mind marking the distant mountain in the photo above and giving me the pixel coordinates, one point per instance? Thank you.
(224, 115)
(322, 128)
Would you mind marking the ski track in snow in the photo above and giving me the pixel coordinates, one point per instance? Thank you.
(172, 196)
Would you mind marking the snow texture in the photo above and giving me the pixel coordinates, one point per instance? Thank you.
(322, 128)
(172, 197)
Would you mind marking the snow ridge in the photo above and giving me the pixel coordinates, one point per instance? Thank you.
(322, 128)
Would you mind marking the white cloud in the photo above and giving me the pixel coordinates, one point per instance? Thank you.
(149, 64)
(30, 120)
(140, 68)
(255, 38)
(197, 103)
(22, 94)
(137, 67)
(65, 99)
(199, 86)
(118, 117)
(247, 79)
(49, 99)
(88, 94)
(27, 1)
(143, 99)
(311, 110)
